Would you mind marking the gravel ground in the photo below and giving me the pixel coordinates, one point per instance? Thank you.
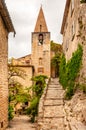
(21, 123)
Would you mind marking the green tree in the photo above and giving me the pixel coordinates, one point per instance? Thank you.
(55, 61)
(56, 49)
(16, 92)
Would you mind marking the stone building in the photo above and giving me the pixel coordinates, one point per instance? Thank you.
(37, 63)
(74, 30)
(6, 27)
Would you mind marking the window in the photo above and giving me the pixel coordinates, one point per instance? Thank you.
(40, 38)
(41, 70)
(27, 61)
(40, 61)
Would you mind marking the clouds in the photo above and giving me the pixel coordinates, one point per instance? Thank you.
(24, 15)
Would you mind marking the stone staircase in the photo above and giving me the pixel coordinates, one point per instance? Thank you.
(51, 107)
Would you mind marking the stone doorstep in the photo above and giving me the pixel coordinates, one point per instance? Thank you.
(54, 111)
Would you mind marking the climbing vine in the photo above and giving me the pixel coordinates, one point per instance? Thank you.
(69, 71)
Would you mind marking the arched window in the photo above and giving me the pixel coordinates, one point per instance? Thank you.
(40, 38)
(40, 61)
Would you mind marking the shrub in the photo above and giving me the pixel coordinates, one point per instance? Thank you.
(33, 109)
(37, 89)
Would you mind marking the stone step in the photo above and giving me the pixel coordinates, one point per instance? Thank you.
(54, 94)
(53, 124)
(54, 111)
(52, 98)
(53, 102)
(55, 88)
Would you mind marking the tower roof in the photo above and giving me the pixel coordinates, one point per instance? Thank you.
(41, 23)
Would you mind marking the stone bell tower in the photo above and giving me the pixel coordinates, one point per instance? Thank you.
(41, 46)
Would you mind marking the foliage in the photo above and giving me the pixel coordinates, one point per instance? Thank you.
(17, 93)
(39, 84)
(69, 71)
(55, 61)
(55, 47)
(22, 97)
(10, 112)
(37, 89)
(33, 109)
(69, 90)
(15, 71)
(83, 87)
(83, 1)
(62, 72)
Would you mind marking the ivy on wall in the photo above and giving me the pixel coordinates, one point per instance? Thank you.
(69, 71)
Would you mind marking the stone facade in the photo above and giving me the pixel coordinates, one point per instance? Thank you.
(5, 27)
(74, 30)
(24, 64)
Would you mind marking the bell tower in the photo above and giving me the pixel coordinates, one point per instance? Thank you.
(41, 46)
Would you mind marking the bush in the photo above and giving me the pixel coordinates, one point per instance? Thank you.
(33, 109)
(37, 89)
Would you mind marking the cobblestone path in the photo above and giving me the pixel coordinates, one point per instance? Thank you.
(51, 112)
(21, 123)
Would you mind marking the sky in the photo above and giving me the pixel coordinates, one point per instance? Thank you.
(24, 14)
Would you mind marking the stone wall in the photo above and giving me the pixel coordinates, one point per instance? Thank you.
(3, 76)
(70, 40)
(82, 40)
(75, 33)
(27, 72)
(43, 52)
(75, 112)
